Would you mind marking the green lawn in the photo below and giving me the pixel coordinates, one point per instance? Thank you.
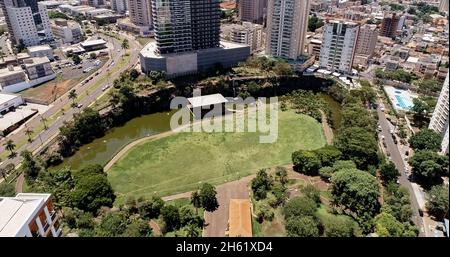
(180, 162)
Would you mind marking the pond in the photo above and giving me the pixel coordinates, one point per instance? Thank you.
(101, 150)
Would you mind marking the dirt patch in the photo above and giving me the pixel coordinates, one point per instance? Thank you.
(48, 92)
(156, 230)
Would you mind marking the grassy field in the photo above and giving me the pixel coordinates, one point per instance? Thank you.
(180, 162)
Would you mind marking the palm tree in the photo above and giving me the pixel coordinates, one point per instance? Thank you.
(3, 172)
(10, 146)
(196, 200)
(29, 132)
(125, 44)
(44, 121)
(73, 95)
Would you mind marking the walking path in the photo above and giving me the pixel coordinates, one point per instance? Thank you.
(327, 131)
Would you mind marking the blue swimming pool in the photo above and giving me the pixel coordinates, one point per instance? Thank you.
(403, 103)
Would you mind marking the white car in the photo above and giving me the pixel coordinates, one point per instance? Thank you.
(79, 106)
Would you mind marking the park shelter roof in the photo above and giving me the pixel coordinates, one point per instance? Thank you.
(207, 100)
(240, 219)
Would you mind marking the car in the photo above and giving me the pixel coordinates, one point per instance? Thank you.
(398, 181)
(420, 212)
(79, 106)
(105, 87)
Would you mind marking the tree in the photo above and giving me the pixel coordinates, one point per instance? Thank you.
(302, 227)
(171, 217)
(192, 231)
(426, 139)
(420, 110)
(355, 190)
(387, 226)
(328, 155)
(134, 74)
(29, 132)
(7, 189)
(327, 172)
(112, 225)
(437, 204)
(261, 184)
(314, 23)
(299, 206)
(428, 167)
(9, 145)
(151, 208)
(73, 96)
(125, 44)
(312, 193)
(358, 145)
(138, 228)
(196, 201)
(76, 59)
(29, 165)
(208, 197)
(306, 162)
(93, 55)
(338, 226)
(281, 175)
(283, 68)
(389, 172)
(92, 189)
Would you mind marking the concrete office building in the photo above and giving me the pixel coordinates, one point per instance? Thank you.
(119, 6)
(67, 31)
(28, 22)
(252, 10)
(440, 119)
(9, 102)
(187, 34)
(248, 34)
(41, 51)
(28, 215)
(287, 24)
(338, 46)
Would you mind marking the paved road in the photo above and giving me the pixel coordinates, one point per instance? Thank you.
(53, 129)
(397, 159)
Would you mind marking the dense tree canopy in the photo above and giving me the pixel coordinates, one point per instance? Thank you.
(387, 226)
(426, 139)
(261, 184)
(305, 226)
(299, 206)
(389, 172)
(7, 189)
(428, 166)
(208, 197)
(355, 190)
(151, 208)
(437, 203)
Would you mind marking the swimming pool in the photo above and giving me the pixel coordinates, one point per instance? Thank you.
(403, 103)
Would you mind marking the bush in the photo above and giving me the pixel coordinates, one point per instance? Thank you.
(7, 189)
(299, 206)
(302, 227)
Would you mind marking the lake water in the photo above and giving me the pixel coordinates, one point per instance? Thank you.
(101, 150)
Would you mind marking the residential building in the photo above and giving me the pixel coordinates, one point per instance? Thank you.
(187, 34)
(440, 119)
(28, 22)
(140, 12)
(367, 40)
(314, 47)
(249, 34)
(41, 51)
(443, 6)
(252, 10)
(390, 25)
(119, 6)
(96, 12)
(67, 31)
(28, 215)
(338, 46)
(95, 3)
(287, 24)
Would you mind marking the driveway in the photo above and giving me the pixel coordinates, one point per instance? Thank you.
(216, 223)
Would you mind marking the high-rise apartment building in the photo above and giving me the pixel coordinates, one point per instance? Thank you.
(187, 35)
(440, 119)
(287, 24)
(119, 6)
(28, 215)
(338, 46)
(140, 12)
(443, 6)
(390, 25)
(96, 3)
(28, 21)
(249, 34)
(252, 10)
(367, 40)
(186, 25)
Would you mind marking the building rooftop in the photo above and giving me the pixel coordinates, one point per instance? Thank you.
(36, 61)
(207, 100)
(17, 211)
(240, 220)
(39, 48)
(10, 71)
(5, 97)
(93, 42)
